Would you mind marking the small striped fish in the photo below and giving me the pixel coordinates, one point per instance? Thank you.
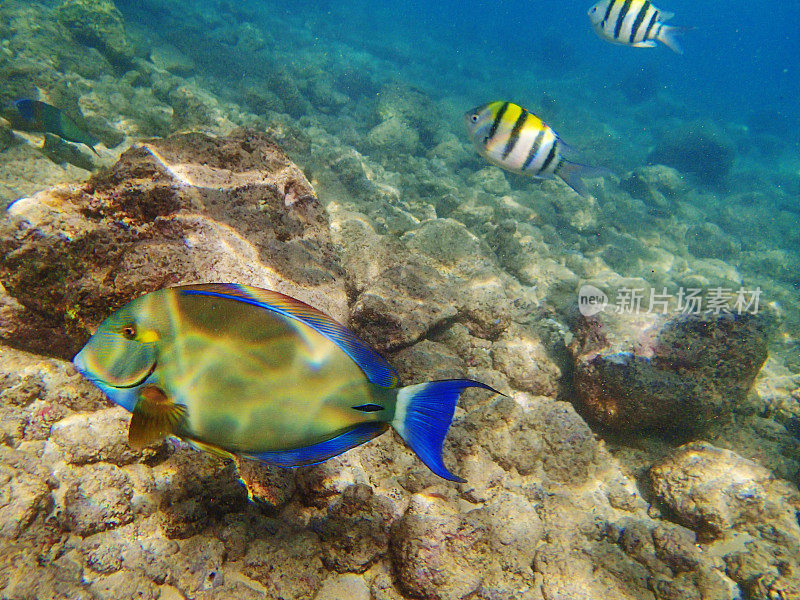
(516, 140)
(634, 23)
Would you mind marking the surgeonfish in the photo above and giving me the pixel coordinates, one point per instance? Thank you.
(634, 23)
(515, 139)
(239, 370)
(46, 118)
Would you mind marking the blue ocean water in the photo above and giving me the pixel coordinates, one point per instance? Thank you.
(737, 85)
(740, 58)
(740, 63)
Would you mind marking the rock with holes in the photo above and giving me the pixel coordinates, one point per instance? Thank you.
(97, 501)
(189, 208)
(713, 490)
(740, 508)
(93, 437)
(24, 492)
(433, 549)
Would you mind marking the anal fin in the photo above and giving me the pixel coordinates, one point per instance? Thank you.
(311, 455)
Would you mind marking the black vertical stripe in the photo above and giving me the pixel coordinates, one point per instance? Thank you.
(623, 12)
(534, 149)
(550, 156)
(497, 119)
(608, 12)
(639, 20)
(650, 25)
(515, 131)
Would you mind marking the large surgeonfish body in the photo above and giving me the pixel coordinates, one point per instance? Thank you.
(634, 23)
(44, 117)
(240, 370)
(514, 139)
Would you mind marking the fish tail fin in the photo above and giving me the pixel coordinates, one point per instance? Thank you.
(573, 174)
(423, 415)
(668, 35)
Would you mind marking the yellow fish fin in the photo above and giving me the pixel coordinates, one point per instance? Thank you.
(211, 449)
(155, 416)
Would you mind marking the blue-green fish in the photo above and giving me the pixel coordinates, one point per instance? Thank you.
(240, 370)
(40, 116)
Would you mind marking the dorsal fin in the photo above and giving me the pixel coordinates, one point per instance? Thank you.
(155, 417)
(375, 367)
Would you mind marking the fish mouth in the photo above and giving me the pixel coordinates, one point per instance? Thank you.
(79, 364)
(140, 381)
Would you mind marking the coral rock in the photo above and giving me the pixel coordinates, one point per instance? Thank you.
(432, 551)
(24, 494)
(351, 587)
(713, 490)
(100, 436)
(99, 502)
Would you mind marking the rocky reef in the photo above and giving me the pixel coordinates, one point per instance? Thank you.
(700, 148)
(392, 223)
(547, 512)
(99, 24)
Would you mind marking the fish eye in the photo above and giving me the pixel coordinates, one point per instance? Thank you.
(594, 9)
(474, 118)
(129, 331)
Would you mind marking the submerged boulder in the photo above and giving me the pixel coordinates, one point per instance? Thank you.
(735, 504)
(99, 24)
(186, 209)
(638, 372)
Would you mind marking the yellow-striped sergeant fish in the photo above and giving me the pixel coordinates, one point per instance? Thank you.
(239, 370)
(516, 140)
(634, 23)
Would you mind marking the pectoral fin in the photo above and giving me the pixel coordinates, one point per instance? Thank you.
(155, 416)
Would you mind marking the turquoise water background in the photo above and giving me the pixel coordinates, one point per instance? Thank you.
(741, 57)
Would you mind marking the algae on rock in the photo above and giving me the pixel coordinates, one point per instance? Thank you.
(99, 24)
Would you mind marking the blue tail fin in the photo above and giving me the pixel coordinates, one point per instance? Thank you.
(423, 415)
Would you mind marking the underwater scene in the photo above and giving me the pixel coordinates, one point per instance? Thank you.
(397, 300)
